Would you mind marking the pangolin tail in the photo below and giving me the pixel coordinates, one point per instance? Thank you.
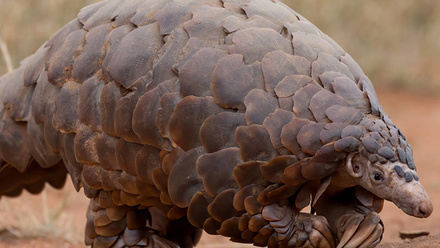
(26, 159)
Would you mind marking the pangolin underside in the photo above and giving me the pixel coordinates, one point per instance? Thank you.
(228, 116)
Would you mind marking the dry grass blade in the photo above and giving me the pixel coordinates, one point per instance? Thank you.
(6, 55)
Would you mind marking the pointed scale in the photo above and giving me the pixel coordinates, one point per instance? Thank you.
(249, 173)
(221, 208)
(240, 196)
(324, 163)
(273, 170)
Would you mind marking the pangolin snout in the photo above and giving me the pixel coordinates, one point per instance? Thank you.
(413, 200)
(424, 209)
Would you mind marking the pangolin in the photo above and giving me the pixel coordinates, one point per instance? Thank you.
(228, 116)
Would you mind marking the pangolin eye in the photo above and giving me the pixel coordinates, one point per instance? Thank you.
(377, 177)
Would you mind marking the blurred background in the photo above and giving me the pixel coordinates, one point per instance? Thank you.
(396, 42)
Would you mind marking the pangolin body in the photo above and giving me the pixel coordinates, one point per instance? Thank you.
(228, 116)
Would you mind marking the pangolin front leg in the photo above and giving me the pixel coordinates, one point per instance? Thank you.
(353, 223)
(359, 230)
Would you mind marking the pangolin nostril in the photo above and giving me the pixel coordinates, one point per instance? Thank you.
(425, 209)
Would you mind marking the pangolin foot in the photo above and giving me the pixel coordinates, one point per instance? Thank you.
(310, 231)
(134, 239)
(154, 240)
(298, 229)
(359, 230)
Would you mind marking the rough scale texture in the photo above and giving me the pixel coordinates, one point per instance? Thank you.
(228, 116)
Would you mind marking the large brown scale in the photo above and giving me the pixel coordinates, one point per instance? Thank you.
(228, 116)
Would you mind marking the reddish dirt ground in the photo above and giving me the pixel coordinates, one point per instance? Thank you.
(417, 116)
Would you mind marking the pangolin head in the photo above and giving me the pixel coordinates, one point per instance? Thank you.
(384, 166)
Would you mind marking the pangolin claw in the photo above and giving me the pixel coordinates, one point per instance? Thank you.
(357, 230)
(310, 231)
(154, 240)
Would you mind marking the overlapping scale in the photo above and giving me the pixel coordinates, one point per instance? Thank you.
(273, 170)
(234, 23)
(289, 133)
(203, 26)
(274, 123)
(187, 118)
(244, 193)
(327, 62)
(290, 84)
(85, 146)
(192, 82)
(126, 155)
(347, 89)
(343, 114)
(134, 56)
(259, 104)
(254, 43)
(221, 208)
(216, 170)
(175, 13)
(65, 118)
(322, 101)
(88, 62)
(246, 138)
(99, 14)
(218, 131)
(106, 151)
(302, 98)
(233, 80)
(332, 132)
(166, 56)
(60, 67)
(124, 112)
(89, 112)
(273, 11)
(123, 13)
(40, 151)
(310, 45)
(145, 112)
(308, 138)
(146, 160)
(198, 209)
(278, 64)
(13, 138)
(184, 181)
(145, 12)
(248, 174)
(324, 163)
(114, 38)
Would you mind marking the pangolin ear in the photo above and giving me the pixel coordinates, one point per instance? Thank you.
(353, 168)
